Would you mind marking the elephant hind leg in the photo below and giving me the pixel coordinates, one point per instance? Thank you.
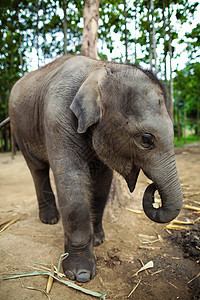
(39, 169)
(48, 212)
(102, 180)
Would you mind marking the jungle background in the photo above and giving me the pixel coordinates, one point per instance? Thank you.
(163, 36)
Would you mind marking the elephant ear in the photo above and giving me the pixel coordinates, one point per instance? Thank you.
(87, 105)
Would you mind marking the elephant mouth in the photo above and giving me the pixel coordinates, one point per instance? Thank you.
(132, 177)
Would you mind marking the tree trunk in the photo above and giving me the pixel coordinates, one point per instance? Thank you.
(65, 27)
(184, 122)
(135, 54)
(6, 139)
(153, 36)
(198, 118)
(37, 35)
(171, 99)
(164, 50)
(20, 57)
(171, 93)
(125, 33)
(1, 140)
(178, 121)
(90, 35)
(44, 35)
(13, 147)
(150, 38)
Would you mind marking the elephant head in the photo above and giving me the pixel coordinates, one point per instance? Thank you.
(132, 131)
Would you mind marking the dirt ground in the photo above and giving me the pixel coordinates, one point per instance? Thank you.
(176, 267)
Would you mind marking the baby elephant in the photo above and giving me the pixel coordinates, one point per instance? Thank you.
(82, 118)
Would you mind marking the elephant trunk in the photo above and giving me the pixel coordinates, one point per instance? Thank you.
(170, 192)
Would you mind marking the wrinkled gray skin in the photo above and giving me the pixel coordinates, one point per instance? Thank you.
(83, 118)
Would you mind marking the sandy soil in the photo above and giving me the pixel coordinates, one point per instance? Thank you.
(121, 255)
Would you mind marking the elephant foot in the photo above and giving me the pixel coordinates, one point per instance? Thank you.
(80, 265)
(98, 235)
(49, 215)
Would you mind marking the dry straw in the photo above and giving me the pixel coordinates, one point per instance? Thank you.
(54, 277)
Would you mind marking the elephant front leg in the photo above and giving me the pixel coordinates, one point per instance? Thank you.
(74, 201)
(80, 264)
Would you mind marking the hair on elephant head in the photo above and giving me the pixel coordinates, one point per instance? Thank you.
(132, 131)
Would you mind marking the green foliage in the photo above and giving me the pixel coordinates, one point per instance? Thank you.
(185, 140)
(187, 102)
(194, 46)
(12, 56)
(187, 87)
(26, 26)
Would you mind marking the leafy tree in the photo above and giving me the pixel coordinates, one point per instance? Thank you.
(54, 27)
(187, 101)
(115, 16)
(193, 46)
(12, 56)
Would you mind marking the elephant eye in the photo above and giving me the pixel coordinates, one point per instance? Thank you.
(147, 141)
